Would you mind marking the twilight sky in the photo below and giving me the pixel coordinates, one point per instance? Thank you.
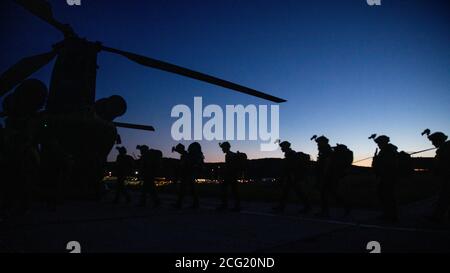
(347, 69)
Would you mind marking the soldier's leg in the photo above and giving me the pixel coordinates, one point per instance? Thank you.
(284, 193)
(144, 190)
(301, 194)
(224, 193)
(194, 193)
(235, 191)
(324, 198)
(443, 203)
(387, 199)
(153, 192)
(341, 201)
(119, 189)
(392, 200)
(125, 192)
(181, 192)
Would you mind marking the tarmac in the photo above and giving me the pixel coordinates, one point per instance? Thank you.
(105, 227)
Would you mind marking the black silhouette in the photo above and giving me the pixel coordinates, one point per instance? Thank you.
(149, 165)
(84, 129)
(322, 172)
(442, 170)
(339, 166)
(124, 168)
(234, 167)
(188, 169)
(20, 143)
(293, 175)
(385, 165)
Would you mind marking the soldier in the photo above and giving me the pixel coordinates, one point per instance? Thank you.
(21, 141)
(150, 163)
(230, 177)
(294, 173)
(322, 172)
(124, 168)
(340, 162)
(385, 165)
(442, 170)
(187, 170)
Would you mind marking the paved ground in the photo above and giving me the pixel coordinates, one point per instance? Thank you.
(104, 227)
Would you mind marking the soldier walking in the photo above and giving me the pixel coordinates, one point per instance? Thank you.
(293, 175)
(187, 170)
(233, 169)
(149, 165)
(124, 168)
(385, 165)
(442, 170)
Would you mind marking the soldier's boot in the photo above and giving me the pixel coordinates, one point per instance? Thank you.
(222, 207)
(306, 209)
(142, 202)
(236, 208)
(195, 204)
(347, 212)
(177, 205)
(323, 213)
(156, 203)
(278, 208)
(128, 198)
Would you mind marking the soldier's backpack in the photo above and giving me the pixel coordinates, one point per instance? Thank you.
(343, 157)
(241, 161)
(303, 160)
(405, 164)
(155, 157)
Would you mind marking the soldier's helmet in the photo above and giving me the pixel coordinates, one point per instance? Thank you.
(121, 150)
(285, 145)
(29, 96)
(179, 148)
(382, 139)
(142, 148)
(225, 145)
(110, 108)
(322, 140)
(438, 137)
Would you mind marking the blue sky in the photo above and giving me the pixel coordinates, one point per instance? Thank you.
(347, 69)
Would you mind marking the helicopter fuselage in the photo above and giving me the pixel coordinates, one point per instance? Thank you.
(72, 85)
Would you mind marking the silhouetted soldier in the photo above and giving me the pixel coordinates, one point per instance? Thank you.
(442, 170)
(293, 175)
(186, 174)
(21, 141)
(385, 165)
(231, 172)
(196, 162)
(322, 172)
(150, 163)
(124, 168)
(341, 160)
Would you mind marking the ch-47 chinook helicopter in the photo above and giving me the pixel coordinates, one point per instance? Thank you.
(81, 122)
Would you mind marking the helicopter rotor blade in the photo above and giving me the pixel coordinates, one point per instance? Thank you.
(146, 61)
(134, 126)
(43, 10)
(22, 70)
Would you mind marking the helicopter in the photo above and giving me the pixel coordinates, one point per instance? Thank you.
(83, 126)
